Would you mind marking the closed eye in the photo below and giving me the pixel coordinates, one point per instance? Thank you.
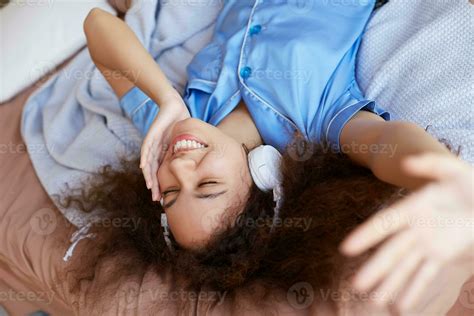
(206, 183)
(202, 184)
(169, 191)
(199, 196)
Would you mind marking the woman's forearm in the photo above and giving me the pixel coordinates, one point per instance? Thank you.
(113, 45)
(382, 147)
(407, 140)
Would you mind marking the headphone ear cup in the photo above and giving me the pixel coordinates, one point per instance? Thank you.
(264, 164)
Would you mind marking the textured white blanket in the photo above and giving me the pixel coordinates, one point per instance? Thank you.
(417, 61)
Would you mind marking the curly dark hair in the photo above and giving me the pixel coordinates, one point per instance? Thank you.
(325, 197)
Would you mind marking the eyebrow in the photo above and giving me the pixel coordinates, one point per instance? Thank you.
(199, 196)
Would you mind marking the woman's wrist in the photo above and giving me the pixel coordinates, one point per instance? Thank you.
(170, 99)
(173, 99)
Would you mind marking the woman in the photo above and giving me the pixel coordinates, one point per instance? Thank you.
(207, 186)
(234, 108)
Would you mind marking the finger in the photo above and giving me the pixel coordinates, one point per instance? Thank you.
(384, 224)
(153, 170)
(144, 165)
(146, 168)
(148, 146)
(397, 279)
(149, 166)
(384, 260)
(432, 166)
(158, 192)
(145, 175)
(144, 152)
(142, 157)
(417, 287)
(162, 154)
(377, 228)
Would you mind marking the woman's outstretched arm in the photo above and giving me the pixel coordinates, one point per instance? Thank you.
(382, 146)
(114, 46)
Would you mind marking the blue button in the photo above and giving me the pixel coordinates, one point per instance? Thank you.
(254, 30)
(245, 72)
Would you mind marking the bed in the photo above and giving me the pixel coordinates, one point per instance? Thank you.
(32, 232)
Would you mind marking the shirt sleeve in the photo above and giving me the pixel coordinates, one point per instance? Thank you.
(343, 110)
(140, 109)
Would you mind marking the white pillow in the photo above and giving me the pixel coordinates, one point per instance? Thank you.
(36, 36)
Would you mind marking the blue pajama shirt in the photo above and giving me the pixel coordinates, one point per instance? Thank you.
(291, 62)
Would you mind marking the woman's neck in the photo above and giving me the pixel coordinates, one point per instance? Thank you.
(240, 126)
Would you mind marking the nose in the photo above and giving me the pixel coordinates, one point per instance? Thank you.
(183, 168)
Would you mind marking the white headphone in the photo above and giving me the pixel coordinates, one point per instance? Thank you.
(264, 164)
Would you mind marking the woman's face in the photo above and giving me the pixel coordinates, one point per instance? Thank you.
(203, 174)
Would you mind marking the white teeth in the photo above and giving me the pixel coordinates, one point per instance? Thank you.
(187, 144)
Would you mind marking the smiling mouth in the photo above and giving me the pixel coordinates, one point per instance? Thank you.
(187, 142)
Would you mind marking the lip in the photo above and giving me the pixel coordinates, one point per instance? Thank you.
(186, 137)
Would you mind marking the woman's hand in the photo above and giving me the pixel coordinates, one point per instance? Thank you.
(426, 232)
(155, 143)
